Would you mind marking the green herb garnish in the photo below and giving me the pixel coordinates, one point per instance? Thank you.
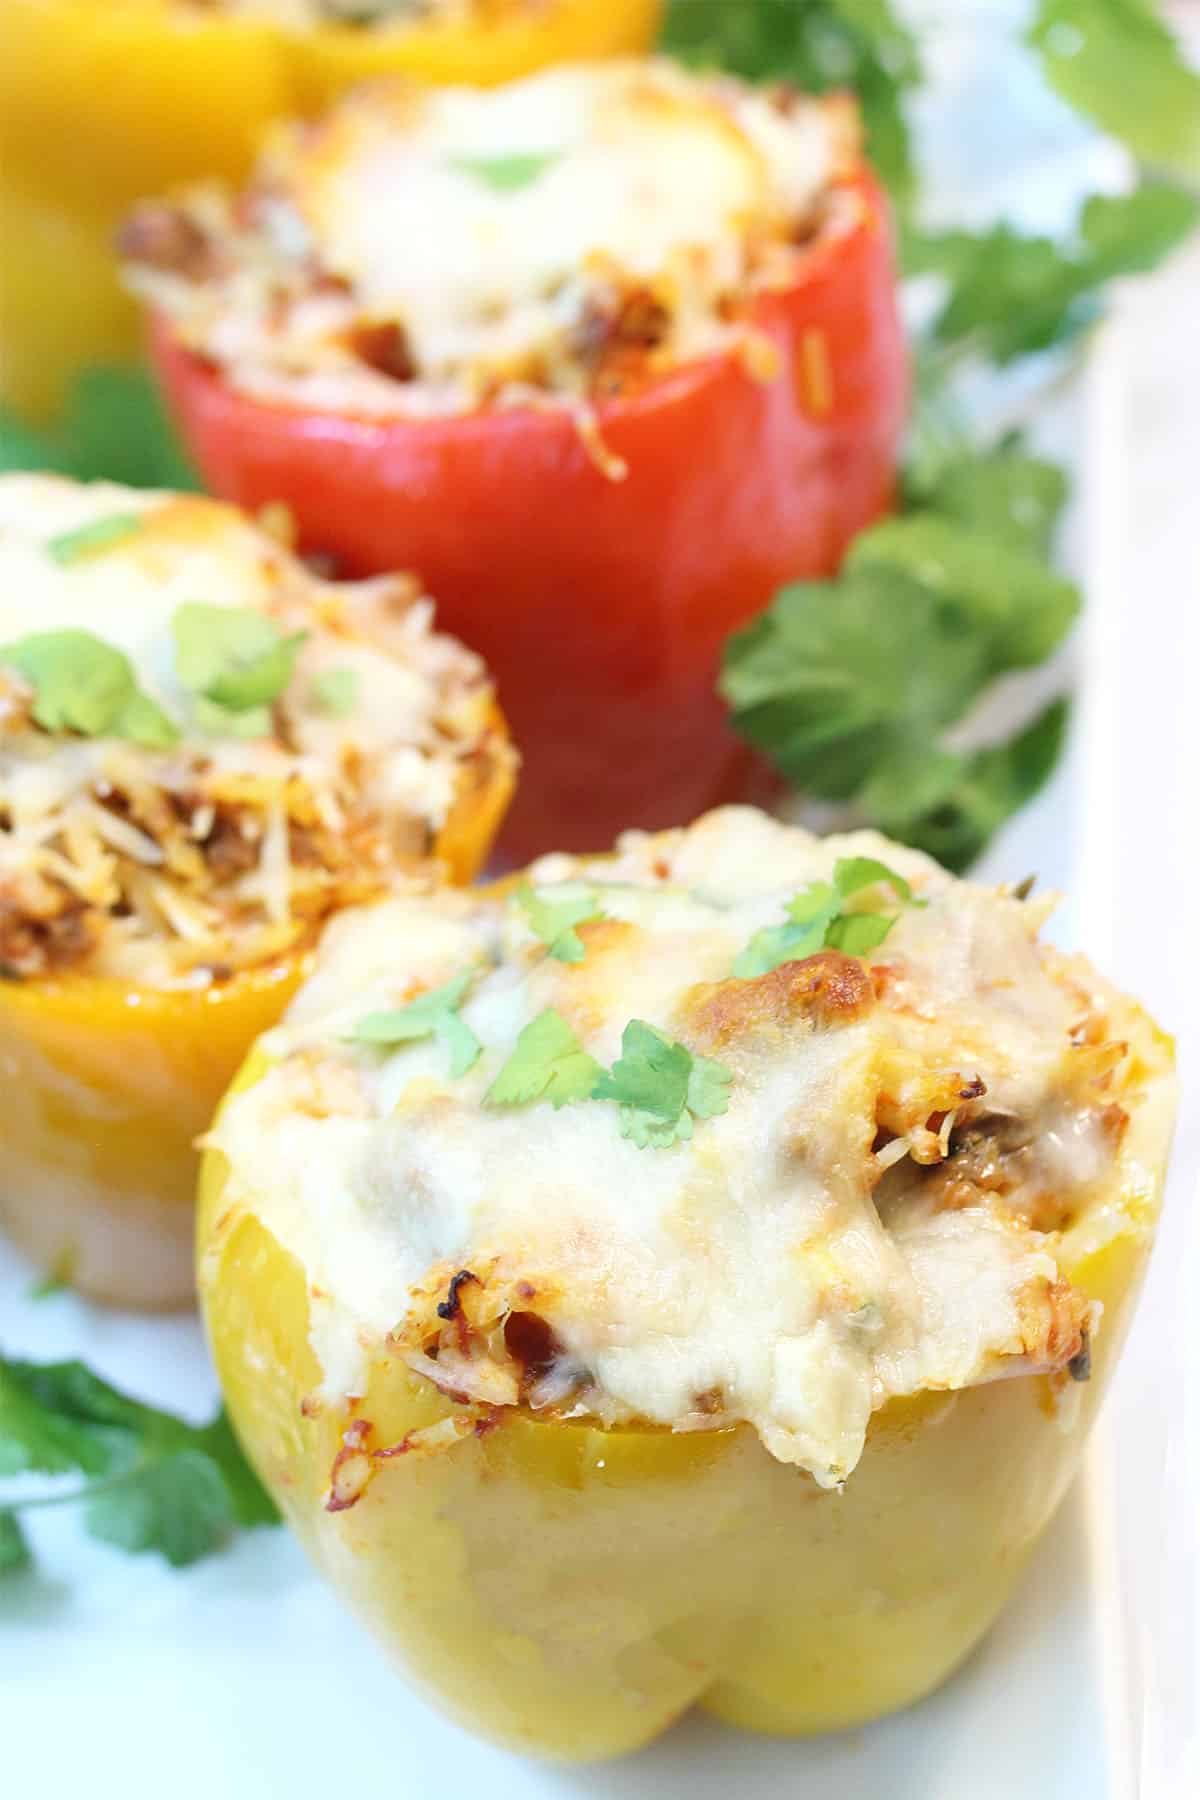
(554, 912)
(547, 1063)
(334, 692)
(1117, 61)
(434, 1014)
(1010, 292)
(232, 656)
(851, 685)
(73, 546)
(816, 45)
(507, 174)
(114, 427)
(818, 918)
(152, 1482)
(81, 684)
(661, 1088)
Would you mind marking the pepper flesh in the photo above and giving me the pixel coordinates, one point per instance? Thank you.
(569, 1590)
(104, 101)
(107, 1088)
(601, 604)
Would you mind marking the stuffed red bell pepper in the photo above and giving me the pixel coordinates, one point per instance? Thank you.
(607, 355)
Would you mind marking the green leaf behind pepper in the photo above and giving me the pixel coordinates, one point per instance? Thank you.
(153, 1482)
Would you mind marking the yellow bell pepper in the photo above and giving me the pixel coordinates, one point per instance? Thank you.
(569, 1590)
(105, 101)
(107, 1088)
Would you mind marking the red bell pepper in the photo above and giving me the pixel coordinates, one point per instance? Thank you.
(600, 604)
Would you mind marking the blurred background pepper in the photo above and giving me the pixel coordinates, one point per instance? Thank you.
(102, 101)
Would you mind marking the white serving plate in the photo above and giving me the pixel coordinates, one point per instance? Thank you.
(243, 1678)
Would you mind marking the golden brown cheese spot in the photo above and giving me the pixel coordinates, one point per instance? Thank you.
(824, 991)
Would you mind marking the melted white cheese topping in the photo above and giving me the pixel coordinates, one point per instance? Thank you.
(491, 224)
(751, 1263)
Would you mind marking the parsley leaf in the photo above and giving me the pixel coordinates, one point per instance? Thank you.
(334, 692)
(154, 1482)
(73, 546)
(82, 684)
(661, 1087)
(233, 656)
(554, 912)
(547, 1063)
(816, 45)
(434, 1014)
(1118, 62)
(507, 174)
(817, 918)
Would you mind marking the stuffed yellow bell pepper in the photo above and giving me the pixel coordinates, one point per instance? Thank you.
(687, 1277)
(204, 752)
(104, 101)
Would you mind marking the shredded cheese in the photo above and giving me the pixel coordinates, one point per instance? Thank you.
(217, 851)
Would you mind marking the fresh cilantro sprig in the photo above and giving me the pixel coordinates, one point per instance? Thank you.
(150, 1480)
(661, 1088)
(554, 912)
(819, 918)
(1010, 293)
(83, 685)
(547, 1063)
(851, 686)
(433, 1014)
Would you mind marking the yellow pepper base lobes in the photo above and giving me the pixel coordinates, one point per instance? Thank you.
(103, 102)
(569, 1591)
(106, 1089)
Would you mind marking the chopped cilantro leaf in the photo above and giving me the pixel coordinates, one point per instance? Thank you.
(84, 685)
(547, 1063)
(72, 546)
(334, 692)
(434, 1014)
(223, 722)
(507, 174)
(233, 656)
(153, 1481)
(553, 914)
(818, 919)
(661, 1087)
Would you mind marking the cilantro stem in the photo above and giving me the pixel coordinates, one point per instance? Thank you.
(88, 1491)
